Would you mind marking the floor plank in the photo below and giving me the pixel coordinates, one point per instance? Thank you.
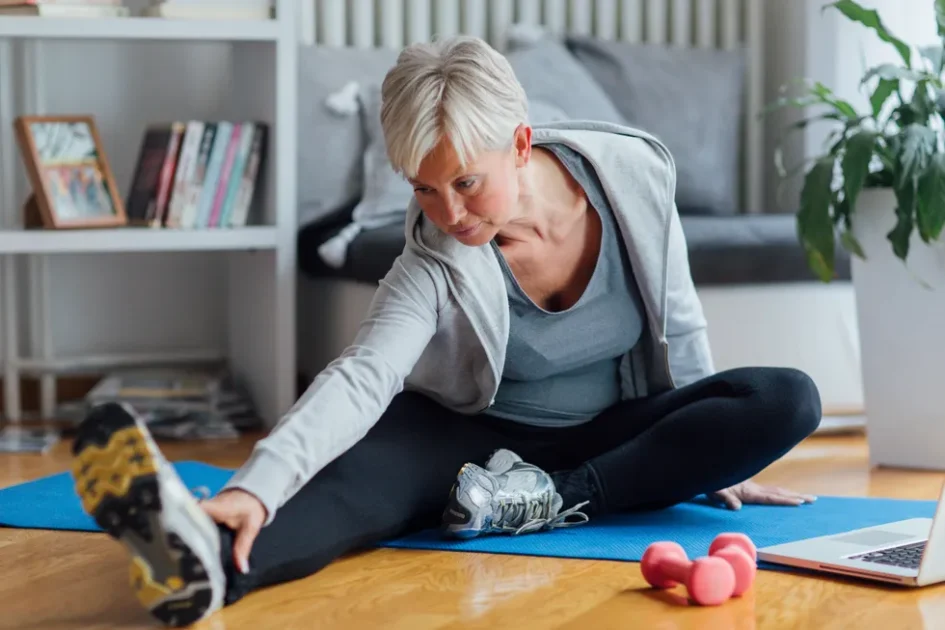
(66, 581)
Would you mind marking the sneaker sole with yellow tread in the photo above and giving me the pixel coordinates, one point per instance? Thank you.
(116, 470)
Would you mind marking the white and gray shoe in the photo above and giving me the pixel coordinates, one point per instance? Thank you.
(136, 496)
(508, 496)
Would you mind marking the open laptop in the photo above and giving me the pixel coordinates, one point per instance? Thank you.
(910, 552)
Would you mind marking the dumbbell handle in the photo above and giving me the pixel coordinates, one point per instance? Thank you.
(676, 569)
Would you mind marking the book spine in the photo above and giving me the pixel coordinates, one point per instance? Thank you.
(225, 174)
(139, 206)
(239, 166)
(248, 186)
(220, 144)
(167, 175)
(195, 186)
(184, 172)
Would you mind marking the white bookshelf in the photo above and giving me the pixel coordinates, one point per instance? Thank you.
(137, 240)
(259, 260)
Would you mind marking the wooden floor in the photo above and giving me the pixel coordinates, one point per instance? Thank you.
(61, 581)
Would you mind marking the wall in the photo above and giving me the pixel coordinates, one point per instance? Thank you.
(785, 58)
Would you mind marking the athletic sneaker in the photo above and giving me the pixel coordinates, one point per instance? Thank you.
(136, 496)
(508, 496)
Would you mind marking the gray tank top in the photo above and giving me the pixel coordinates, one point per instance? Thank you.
(562, 368)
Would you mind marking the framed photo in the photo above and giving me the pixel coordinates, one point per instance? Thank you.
(73, 184)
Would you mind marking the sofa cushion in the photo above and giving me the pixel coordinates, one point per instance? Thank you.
(549, 73)
(691, 99)
(749, 249)
(730, 250)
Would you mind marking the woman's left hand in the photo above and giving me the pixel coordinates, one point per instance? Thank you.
(750, 492)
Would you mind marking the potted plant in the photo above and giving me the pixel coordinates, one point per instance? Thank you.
(877, 189)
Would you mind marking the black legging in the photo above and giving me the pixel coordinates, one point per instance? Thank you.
(639, 454)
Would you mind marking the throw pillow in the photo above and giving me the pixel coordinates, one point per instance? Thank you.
(550, 74)
(690, 99)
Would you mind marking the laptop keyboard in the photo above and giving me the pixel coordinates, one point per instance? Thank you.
(907, 556)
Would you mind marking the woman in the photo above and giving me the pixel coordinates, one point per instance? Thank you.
(540, 333)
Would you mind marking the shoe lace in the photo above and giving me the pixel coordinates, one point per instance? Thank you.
(520, 515)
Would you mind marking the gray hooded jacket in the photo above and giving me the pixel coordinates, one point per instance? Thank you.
(439, 321)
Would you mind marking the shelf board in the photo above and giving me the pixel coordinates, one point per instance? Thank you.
(141, 28)
(135, 239)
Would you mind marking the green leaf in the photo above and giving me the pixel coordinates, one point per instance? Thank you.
(923, 103)
(855, 164)
(892, 72)
(930, 210)
(814, 226)
(793, 128)
(827, 97)
(940, 17)
(934, 55)
(870, 19)
(852, 245)
(899, 236)
(906, 115)
(885, 89)
(916, 144)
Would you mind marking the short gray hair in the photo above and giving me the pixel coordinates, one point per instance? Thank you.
(458, 88)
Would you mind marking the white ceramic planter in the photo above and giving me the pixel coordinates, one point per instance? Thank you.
(901, 321)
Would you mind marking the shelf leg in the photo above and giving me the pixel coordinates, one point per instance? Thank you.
(9, 336)
(33, 94)
(11, 377)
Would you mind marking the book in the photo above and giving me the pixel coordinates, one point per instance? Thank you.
(142, 193)
(224, 179)
(195, 187)
(253, 168)
(183, 172)
(248, 132)
(167, 175)
(204, 10)
(221, 143)
(48, 8)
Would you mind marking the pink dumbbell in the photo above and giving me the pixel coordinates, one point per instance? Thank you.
(739, 551)
(728, 570)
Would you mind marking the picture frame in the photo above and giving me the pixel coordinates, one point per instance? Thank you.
(73, 184)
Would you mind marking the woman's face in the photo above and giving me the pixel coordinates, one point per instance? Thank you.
(471, 204)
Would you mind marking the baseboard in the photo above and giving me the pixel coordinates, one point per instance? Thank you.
(67, 388)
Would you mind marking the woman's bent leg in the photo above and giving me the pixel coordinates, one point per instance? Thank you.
(707, 436)
(395, 480)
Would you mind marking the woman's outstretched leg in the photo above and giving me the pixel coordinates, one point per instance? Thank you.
(396, 479)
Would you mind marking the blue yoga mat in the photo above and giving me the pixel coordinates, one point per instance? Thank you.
(51, 503)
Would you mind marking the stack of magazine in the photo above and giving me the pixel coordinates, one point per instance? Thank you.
(180, 404)
(14, 439)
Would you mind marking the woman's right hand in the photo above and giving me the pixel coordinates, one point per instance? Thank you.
(244, 514)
